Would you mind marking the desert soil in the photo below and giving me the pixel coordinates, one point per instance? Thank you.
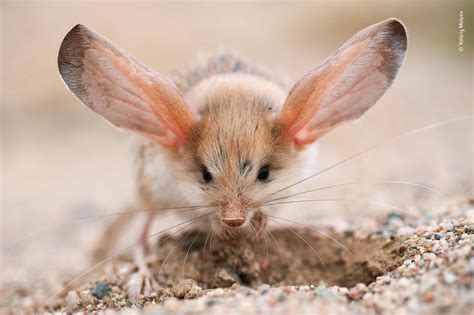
(411, 264)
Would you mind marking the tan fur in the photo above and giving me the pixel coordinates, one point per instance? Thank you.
(235, 128)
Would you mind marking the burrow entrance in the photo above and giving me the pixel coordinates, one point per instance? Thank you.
(284, 257)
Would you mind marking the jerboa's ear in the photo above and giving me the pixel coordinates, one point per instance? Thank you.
(121, 89)
(347, 84)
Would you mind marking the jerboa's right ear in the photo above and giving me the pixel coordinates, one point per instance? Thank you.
(347, 84)
(122, 90)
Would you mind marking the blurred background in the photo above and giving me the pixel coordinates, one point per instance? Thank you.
(60, 162)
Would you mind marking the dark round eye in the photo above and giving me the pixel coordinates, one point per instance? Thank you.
(263, 173)
(206, 175)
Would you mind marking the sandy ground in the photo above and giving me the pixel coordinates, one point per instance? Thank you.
(413, 263)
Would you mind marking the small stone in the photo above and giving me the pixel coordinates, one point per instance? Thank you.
(386, 279)
(357, 292)
(216, 292)
(281, 297)
(429, 256)
(343, 291)
(405, 230)
(101, 289)
(225, 278)
(469, 229)
(171, 304)
(183, 287)
(447, 226)
(403, 282)
(428, 245)
(72, 299)
(449, 277)
(212, 302)
(195, 292)
(264, 289)
(428, 297)
(437, 236)
(348, 233)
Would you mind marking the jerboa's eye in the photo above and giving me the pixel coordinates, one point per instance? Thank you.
(263, 173)
(206, 175)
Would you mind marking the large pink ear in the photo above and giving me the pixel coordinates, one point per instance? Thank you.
(121, 89)
(347, 84)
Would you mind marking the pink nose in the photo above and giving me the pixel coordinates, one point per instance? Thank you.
(233, 222)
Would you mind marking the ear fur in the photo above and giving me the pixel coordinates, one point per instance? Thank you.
(122, 90)
(347, 84)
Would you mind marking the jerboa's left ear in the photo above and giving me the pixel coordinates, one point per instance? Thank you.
(122, 90)
(347, 84)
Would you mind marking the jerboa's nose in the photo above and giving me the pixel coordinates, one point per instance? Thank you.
(234, 222)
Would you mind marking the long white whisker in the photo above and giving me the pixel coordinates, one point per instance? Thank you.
(353, 200)
(266, 245)
(205, 243)
(317, 230)
(438, 193)
(210, 248)
(303, 239)
(406, 134)
(278, 244)
(187, 253)
(174, 248)
(180, 209)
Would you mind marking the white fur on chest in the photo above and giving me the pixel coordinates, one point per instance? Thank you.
(164, 181)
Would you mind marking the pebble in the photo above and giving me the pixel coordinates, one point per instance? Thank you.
(72, 299)
(429, 257)
(405, 230)
(403, 282)
(447, 226)
(195, 292)
(357, 292)
(469, 229)
(101, 289)
(225, 278)
(187, 288)
(343, 291)
(449, 277)
(217, 292)
(171, 304)
(384, 279)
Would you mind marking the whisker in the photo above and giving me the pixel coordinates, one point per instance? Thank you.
(205, 244)
(317, 230)
(266, 244)
(437, 192)
(50, 228)
(403, 135)
(254, 236)
(440, 194)
(117, 253)
(187, 253)
(210, 249)
(302, 238)
(253, 231)
(353, 200)
(278, 244)
(172, 251)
